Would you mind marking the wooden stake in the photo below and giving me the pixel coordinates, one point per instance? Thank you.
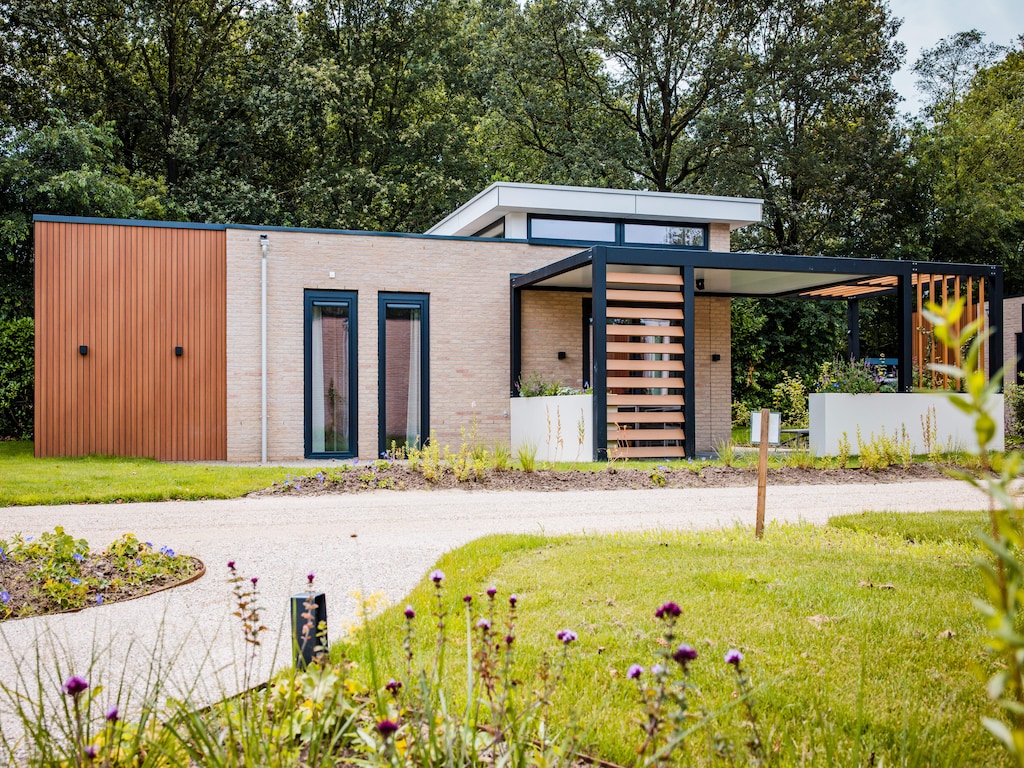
(762, 474)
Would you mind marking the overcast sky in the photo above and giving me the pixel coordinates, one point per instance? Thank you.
(925, 22)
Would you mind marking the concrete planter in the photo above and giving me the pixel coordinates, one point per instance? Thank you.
(877, 414)
(552, 425)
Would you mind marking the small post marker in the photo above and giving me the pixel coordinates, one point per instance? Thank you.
(309, 627)
(762, 474)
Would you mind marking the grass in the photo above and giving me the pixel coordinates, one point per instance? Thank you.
(28, 480)
(864, 647)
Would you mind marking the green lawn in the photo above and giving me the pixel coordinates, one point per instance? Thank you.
(864, 647)
(25, 479)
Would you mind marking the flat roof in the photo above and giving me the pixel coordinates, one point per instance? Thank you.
(502, 198)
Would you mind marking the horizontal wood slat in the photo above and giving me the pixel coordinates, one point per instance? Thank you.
(644, 348)
(647, 452)
(630, 435)
(644, 382)
(620, 400)
(645, 365)
(645, 313)
(646, 417)
(648, 297)
(653, 331)
(643, 278)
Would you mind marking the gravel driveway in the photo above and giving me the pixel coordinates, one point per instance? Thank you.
(381, 541)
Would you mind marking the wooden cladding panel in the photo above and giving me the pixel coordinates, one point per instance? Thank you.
(644, 348)
(645, 365)
(643, 278)
(647, 452)
(943, 290)
(642, 382)
(645, 313)
(630, 400)
(645, 417)
(132, 294)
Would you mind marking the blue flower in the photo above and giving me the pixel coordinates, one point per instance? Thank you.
(78, 556)
(76, 582)
(99, 599)
(5, 597)
(3, 557)
(138, 561)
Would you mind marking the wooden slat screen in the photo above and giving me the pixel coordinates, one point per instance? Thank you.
(943, 290)
(637, 348)
(131, 294)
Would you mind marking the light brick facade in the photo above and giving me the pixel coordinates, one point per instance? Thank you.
(469, 303)
(1012, 326)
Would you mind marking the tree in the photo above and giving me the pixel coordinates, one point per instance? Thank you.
(973, 160)
(944, 73)
(61, 168)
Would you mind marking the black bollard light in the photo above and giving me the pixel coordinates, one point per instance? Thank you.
(309, 627)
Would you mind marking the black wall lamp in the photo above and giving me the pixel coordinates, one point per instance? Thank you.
(561, 355)
(700, 283)
(179, 351)
(83, 350)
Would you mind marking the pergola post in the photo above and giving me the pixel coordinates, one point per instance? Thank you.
(905, 330)
(599, 299)
(689, 364)
(853, 329)
(995, 323)
(516, 334)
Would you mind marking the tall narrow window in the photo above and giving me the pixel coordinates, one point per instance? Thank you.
(404, 369)
(330, 374)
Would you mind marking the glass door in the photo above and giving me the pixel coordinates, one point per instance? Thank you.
(330, 380)
(404, 365)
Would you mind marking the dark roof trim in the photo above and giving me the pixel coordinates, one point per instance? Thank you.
(258, 228)
(555, 268)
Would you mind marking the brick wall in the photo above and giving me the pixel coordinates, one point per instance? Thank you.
(468, 284)
(1012, 310)
(553, 323)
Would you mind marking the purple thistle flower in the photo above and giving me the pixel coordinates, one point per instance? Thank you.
(437, 576)
(112, 714)
(657, 670)
(467, 599)
(733, 657)
(231, 565)
(684, 654)
(309, 578)
(90, 752)
(74, 686)
(254, 579)
(386, 728)
(566, 636)
(492, 591)
(409, 613)
(512, 600)
(483, 624)
(509, 639)
(393, 687)
(668, 609)
(635, 670)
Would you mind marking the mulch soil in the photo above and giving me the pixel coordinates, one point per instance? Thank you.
(399, 477)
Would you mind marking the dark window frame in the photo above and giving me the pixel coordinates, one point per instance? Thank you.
(620, 231)
(330, 298)
(384, 298)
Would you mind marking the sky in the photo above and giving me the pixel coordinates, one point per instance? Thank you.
(925, 22)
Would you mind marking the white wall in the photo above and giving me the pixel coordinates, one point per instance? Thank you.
(877, 414)
(540, 421)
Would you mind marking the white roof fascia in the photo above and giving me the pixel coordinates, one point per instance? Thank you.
(501, 198)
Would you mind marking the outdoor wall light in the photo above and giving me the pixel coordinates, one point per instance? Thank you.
(179, 351)
(715, 357)
(700, 283)
(83, 350)
(561, 355)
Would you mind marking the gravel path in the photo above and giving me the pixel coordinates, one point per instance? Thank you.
(373, 542)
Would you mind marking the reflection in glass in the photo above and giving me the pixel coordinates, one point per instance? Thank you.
(661, 234)
(403, 384)
(331, 378)
(572, 229)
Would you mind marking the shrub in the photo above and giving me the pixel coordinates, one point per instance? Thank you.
(852, 377)
(1014, 403)
(789, 397)
(534, 385)
(17, 377)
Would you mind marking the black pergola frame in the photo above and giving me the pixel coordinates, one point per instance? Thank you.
(687, 261)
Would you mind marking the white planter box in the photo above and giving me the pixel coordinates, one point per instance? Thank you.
(552, 425)
(877, 414)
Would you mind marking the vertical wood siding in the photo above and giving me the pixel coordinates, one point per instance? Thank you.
(132, 294)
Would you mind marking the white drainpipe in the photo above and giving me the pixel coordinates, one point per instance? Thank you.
(264, 243)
